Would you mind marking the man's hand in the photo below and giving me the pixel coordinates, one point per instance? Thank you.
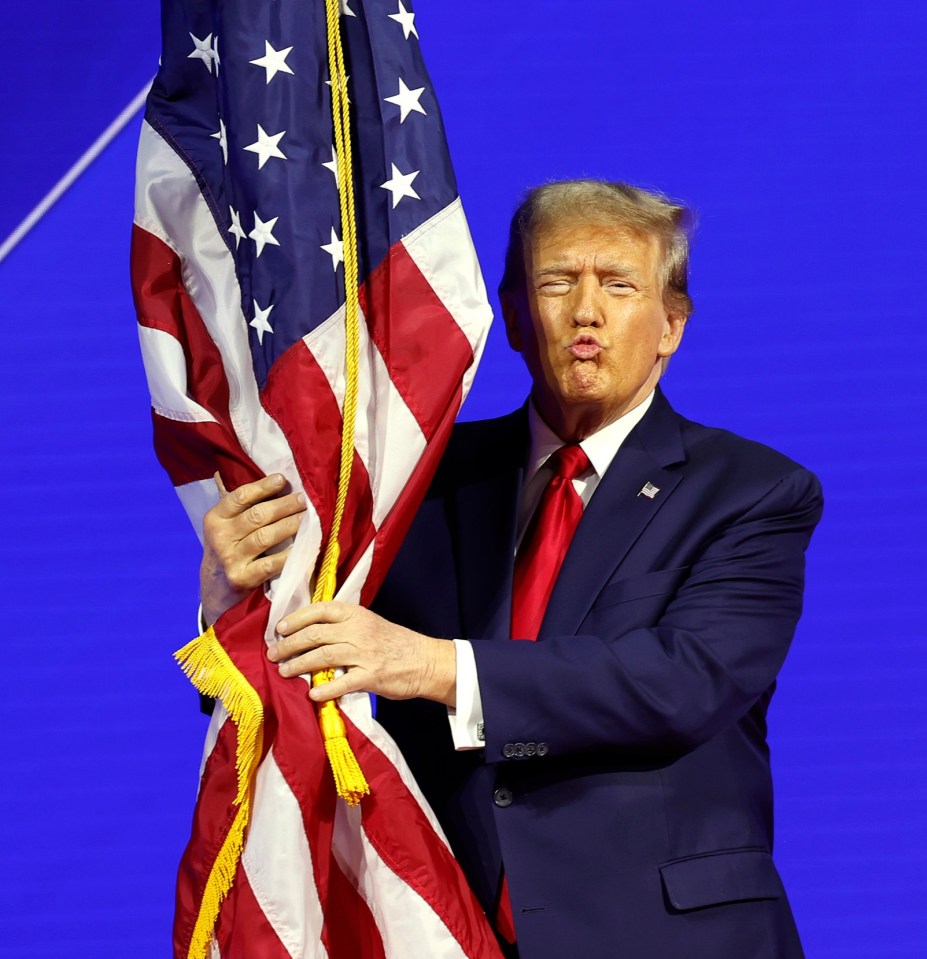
(237, 533)
(378, 656)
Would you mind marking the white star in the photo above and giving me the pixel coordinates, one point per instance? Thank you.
(262, 234)
(346, 11)
(407, 19)
(223, 140)
(407, 100)
(400, 185)
(266, 146)
(335, 250)
(347, 80)
(205, 50)
(333, 166)
(260, 321)
(273, 61)
(235, 229)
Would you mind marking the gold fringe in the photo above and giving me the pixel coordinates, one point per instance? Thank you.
(212, 672)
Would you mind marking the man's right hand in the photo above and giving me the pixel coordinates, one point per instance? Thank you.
(237, 533)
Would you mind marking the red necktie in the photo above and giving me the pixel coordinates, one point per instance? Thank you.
(545, 542)
(537, 564)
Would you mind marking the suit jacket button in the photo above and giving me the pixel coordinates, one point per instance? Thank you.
(519, 750)
(542, 749)
(531, 749)
(508, 750)
(502, 797)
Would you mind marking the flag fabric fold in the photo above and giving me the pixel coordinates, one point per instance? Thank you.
(238, 275)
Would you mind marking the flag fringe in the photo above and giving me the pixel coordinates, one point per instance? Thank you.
(211, 671)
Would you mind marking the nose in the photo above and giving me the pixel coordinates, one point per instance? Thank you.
(587, 307)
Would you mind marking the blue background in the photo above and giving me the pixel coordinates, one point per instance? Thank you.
(796, 131)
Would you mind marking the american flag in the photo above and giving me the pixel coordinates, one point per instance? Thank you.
(238, 275)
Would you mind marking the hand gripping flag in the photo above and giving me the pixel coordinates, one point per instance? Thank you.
(309, 302)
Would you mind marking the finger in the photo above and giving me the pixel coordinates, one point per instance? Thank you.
(349, 682)
(303, 641)
(220, 486)
(317, 613)
(315, 660)
(269, 536)
(239, 500)
(245, 576)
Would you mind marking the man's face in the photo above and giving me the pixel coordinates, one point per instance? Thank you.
(591, 324)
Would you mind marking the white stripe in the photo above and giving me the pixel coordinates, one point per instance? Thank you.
(278, 862)
(83, 161)
(408, 925)
(197, 499)
(166, 370)
(442, 249)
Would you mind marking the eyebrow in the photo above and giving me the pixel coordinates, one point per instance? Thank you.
(610, 269)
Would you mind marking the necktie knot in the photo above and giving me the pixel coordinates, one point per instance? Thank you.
(569, 461)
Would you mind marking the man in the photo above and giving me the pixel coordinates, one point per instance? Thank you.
(614, 772)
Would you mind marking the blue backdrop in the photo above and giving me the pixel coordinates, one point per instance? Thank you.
(797, 132)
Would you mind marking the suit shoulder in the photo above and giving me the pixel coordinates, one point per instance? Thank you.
(741, 458)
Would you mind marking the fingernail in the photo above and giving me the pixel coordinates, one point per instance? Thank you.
(301, 499)
(281, 626)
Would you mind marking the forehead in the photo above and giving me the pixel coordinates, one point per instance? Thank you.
(585, 243)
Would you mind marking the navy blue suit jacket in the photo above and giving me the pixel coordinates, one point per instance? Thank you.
(625, 778)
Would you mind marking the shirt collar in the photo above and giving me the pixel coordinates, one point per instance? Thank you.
(600, 447)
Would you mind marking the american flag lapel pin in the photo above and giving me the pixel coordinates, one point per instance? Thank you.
(649, 490)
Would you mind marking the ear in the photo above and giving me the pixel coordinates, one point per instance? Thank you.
(510, 310)
(672, 334)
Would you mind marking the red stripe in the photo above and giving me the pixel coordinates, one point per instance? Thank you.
(188, 451)
(424, 349)
(212, 818)
(194, 451)
(243, 931)
(404, 839)
(298, 396)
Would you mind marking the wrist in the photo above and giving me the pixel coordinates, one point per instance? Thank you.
(441, 681)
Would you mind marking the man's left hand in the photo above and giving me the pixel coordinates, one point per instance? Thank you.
(378, 656)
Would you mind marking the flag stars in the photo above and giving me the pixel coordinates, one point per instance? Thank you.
(406, 19)
(335, 249)
(273, 61)
(346, 11)
(262, 234)
(206, 50)
(266, 146)
(333, 166)
(260, 323)
(407, 100)
(400, 185)
(235, 229)
(223, 140)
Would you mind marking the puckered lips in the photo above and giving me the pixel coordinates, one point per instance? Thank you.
(585, 346)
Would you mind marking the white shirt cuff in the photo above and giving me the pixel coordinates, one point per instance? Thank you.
(467, 719)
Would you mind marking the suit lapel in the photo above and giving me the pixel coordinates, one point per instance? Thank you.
(617, 515)
(486, 507)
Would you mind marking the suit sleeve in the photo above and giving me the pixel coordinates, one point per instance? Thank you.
(671, 683)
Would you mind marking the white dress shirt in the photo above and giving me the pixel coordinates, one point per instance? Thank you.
(467, 719)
